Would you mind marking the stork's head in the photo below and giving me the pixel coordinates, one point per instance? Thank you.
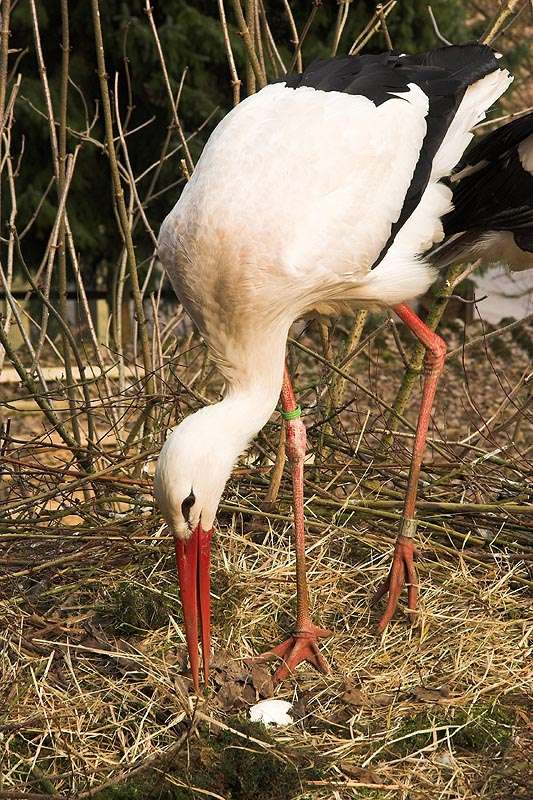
(192, 470)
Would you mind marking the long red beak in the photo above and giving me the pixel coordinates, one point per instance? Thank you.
(192, 561)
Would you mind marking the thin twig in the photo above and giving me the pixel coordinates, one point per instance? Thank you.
(235, 81)
(173, 107)
(248, 43)
(499, 21)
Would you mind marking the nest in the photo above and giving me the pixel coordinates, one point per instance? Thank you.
(96, 695)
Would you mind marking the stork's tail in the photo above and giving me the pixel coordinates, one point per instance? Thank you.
(492, 190)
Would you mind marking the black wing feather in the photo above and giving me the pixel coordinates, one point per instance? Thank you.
(499, 195)
(494, 144)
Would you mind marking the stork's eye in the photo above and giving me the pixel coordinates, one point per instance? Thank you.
(187, 505)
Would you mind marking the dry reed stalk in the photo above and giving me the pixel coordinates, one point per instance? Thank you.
(501, 19)
(295, 41)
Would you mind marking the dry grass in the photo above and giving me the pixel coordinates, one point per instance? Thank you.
(93, 673)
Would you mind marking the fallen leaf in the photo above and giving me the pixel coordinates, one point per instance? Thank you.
(257, 529)
(220, 660)
(125, 665)
(299, 708)
(262, 681)
(382, 699)
(353, 697)
(427, 695)
(249, 695)
(219, 677)
(229, 696)
(182, 685)
(91, 643)
(359, 774)
(177, 657)
(237, 671)
(229, 667)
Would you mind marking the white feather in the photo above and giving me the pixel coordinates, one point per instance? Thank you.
(477, 99)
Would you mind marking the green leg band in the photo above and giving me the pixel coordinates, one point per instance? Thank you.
(294, 414)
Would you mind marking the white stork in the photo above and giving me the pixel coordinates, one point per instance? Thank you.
(317, 194)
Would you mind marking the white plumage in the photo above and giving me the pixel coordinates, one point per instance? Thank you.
(293, 198)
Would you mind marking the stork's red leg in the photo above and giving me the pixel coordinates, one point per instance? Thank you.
(303, 644)
(403, 570)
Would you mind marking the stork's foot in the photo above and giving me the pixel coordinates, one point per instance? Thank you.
(302, 646)
(402, 572)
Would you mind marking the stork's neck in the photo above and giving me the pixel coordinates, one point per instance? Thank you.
(253, 369)
(254, 385)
